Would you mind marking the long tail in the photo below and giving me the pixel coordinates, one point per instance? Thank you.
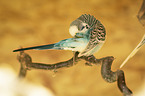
(42, 47)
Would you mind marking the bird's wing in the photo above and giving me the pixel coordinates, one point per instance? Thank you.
(74, 44)
(96, 35)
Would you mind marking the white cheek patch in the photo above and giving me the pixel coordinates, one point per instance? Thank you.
(73, 30)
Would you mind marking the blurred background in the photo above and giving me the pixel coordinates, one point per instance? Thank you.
(35, 22)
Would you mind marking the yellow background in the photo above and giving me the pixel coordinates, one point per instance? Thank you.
(35, 22)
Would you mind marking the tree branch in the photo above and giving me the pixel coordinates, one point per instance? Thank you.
(108, 75)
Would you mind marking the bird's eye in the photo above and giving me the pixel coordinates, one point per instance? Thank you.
(87, 27)
(82, 27)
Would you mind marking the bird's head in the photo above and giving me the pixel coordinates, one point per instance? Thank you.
(78, 26)
(87, 25)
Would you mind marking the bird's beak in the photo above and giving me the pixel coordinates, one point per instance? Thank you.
(79, 35)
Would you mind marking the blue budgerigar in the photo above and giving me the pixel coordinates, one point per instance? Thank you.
(88, 37)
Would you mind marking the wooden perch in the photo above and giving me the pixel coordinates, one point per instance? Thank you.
(108, 75)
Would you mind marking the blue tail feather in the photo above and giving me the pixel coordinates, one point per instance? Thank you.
(42, 47)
